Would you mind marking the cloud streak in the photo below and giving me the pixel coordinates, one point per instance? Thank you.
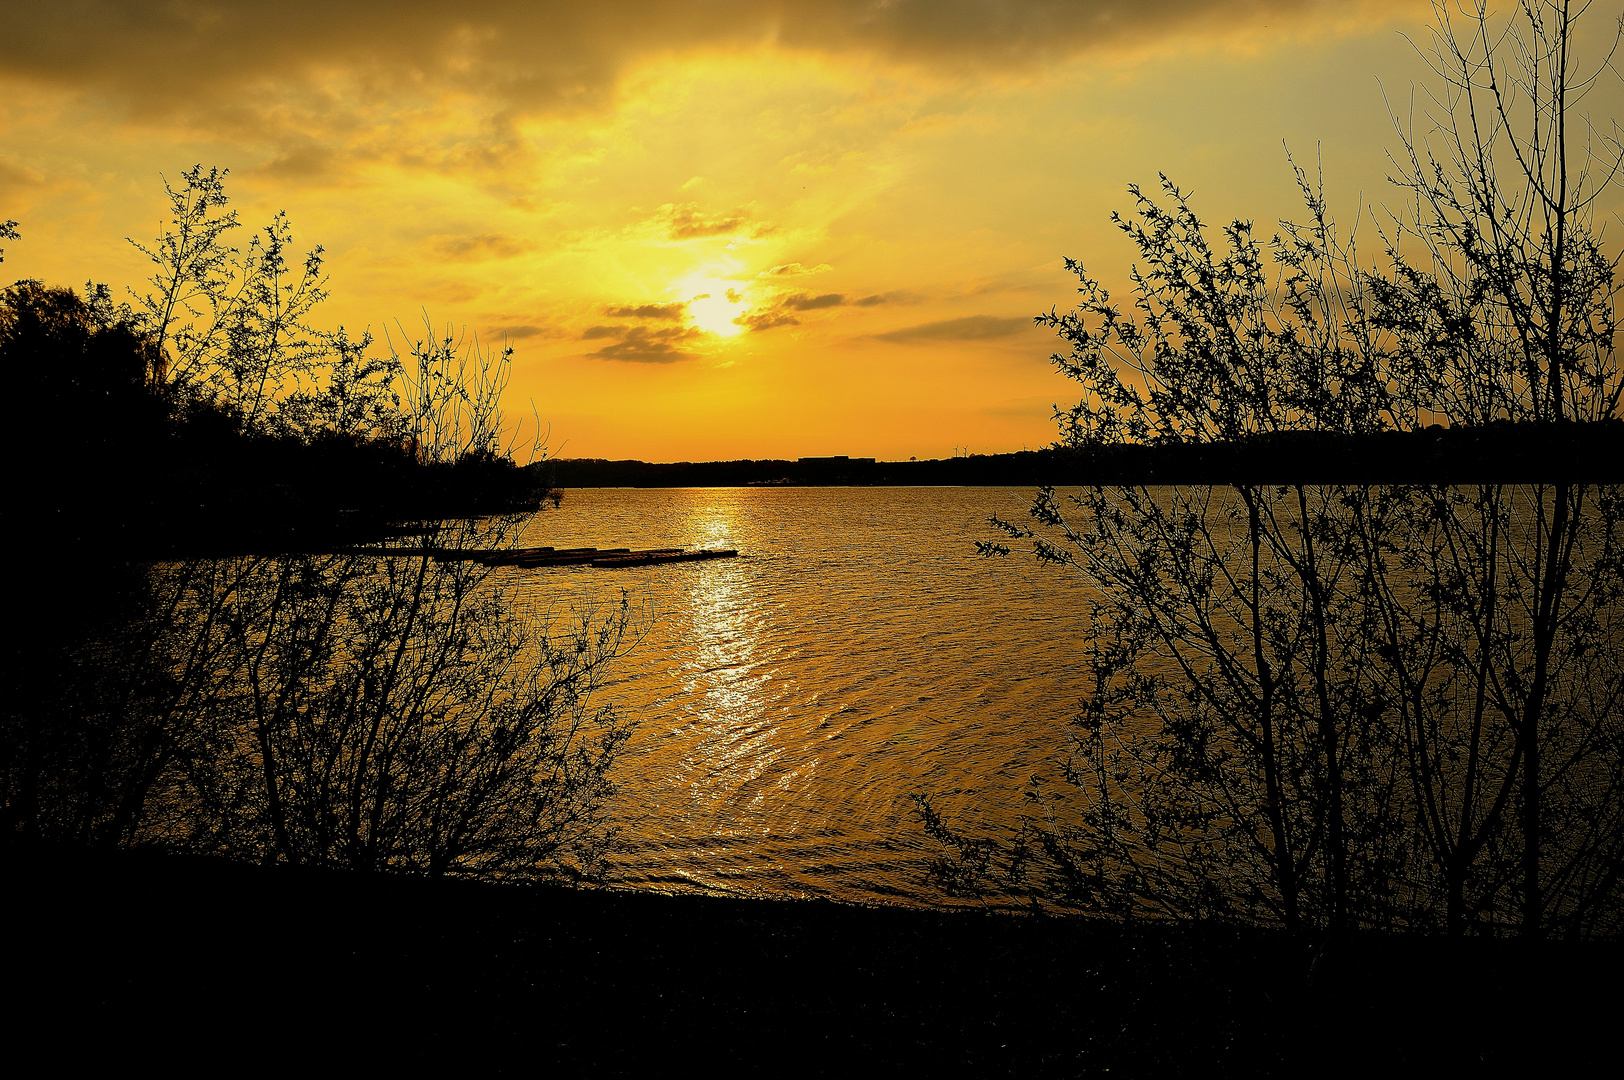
(780, 311)
(643, 344)
(477, 248)
(523, 331)
(808, 302)
(757, 321)
(969, 328)
(675, 223)
(674, 309)
(794, 269)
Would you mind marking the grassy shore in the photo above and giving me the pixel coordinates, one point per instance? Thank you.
(199, 964)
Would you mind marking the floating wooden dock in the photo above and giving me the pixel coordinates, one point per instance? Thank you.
(651, 558)
(533, 558)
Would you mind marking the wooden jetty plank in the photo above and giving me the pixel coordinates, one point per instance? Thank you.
(537, 557)
(657, 558)
(485, 555)
(560, 558)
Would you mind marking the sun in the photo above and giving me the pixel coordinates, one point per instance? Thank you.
(714, 305)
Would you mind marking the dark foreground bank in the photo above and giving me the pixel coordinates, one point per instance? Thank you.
(197, 964)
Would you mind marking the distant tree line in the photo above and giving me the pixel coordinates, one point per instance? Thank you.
(210, 416)
(1502, 450)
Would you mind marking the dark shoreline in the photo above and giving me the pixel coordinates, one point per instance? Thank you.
(115, 957)
(1502, 452)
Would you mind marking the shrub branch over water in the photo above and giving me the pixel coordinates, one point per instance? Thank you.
(1324, 706)
(280, 703)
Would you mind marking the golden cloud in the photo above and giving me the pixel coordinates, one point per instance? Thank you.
(794, 270)
(677, 222)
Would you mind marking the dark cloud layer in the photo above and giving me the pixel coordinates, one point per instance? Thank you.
(643, 344)
(766, 320)
(808, 302)
(675, 309)
(778, 313)
(519, 333)
(538, 55)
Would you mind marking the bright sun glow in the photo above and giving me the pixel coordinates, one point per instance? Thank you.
(712, 309)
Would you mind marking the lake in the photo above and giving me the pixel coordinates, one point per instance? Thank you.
(790, 701)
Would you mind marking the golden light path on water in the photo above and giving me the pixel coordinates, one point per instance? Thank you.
(790, 701)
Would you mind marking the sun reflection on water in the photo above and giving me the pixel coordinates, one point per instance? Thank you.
(791, 699)
(735, 744)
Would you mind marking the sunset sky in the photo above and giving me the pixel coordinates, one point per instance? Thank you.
(711, 230)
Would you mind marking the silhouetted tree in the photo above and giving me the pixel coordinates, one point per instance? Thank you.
(80, 372)
(1508, 314)
(191, 275)
(1331, 706)
(81, 407)
(388, 713)
(453, 390)
(355, 397)
(1230, 764)
(375, 711)
(233, 323)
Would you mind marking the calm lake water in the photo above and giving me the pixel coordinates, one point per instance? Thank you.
(791, 700)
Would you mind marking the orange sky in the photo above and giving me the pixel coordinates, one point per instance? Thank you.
(711, 230)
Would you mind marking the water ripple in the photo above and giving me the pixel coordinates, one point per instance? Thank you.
(792, 700)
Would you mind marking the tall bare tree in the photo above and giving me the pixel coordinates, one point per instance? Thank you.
(1339, 705)
(1225, 749)
(1500, 301)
